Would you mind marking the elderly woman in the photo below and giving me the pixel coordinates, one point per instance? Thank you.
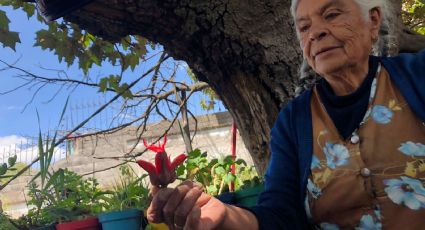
(348, 154)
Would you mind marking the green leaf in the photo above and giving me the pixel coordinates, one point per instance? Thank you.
(12, 161)
(195, 153)
(220, 170)
(127, 94)
(240, 162)
(7, 38)
(103, 84)
(229, 178)
(3, 169)
(29, 9)
(4, 20)
(212, 189)
(180, 170)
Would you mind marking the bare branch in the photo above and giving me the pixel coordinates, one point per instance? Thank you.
(20, 172)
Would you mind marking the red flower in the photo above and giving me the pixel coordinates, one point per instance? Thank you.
(163, 172)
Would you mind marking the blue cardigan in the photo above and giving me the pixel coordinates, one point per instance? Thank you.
(281, 205)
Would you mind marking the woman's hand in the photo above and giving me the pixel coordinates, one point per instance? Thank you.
(186, 207)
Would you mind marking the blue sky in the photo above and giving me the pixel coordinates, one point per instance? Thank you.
(17, 123)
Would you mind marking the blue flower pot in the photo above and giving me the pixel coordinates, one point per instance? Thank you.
(248, 197)
(127, 219)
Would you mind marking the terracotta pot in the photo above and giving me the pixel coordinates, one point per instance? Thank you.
(86, 224)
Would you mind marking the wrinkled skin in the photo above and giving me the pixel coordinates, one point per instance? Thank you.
(185, 207)
(340, 27)
(336, 40)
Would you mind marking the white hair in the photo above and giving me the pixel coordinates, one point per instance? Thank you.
(386, 42)
(365, 6)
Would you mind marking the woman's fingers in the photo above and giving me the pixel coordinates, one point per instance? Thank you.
(174, 201)
(185, 206)
(154, 213)
(172, 206)
(193, 219)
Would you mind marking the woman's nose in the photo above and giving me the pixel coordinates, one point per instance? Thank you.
(318, 34)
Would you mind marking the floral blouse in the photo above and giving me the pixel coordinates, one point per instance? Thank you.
(374, 179)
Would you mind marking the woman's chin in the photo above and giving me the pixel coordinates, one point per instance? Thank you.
(328, 66)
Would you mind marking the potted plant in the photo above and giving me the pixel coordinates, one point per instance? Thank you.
(77, 202)
(126, 202)
(215, 175)
(247, 195)
(66, 201)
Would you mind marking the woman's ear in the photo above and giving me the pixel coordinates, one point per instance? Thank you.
(375, 18)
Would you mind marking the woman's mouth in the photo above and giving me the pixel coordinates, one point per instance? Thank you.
(324, 50)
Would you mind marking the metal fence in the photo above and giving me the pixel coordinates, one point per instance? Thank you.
(27, 150)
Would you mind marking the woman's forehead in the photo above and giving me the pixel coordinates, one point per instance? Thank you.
(307, 7)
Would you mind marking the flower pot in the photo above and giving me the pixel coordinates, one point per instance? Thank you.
(248, 197)
(128, 219)
(86, 224)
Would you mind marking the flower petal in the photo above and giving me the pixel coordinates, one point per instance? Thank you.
(162, 161)
(147, 166)
(155, 148)
(411, 202)
(165, 141)
(396, 194)
(178, 160)
(412, 149)
(381, 114)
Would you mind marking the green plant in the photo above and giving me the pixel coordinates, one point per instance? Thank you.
(414, 15)
(6, 169)
(215, 174)
(130, 191)
(65, 196)
(5, 222)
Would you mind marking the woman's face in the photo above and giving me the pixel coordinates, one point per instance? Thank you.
(334, 34)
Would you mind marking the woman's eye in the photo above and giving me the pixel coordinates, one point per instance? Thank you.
(304, 28)
(332, 15)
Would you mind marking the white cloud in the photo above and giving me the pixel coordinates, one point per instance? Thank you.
(11, 140)
(13, 107)
(25, 149)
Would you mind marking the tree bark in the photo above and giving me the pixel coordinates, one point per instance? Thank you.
(246, 50)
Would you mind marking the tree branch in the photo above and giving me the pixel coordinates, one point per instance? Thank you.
(20, 172)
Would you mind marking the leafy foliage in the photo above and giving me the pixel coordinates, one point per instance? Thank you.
(5, 222)
(7, 38)
(414, 15)
(130, 192)
(66, 196)
(215, 174)
(11, 171)
(208, 101)
(70, 43)
(7, 169)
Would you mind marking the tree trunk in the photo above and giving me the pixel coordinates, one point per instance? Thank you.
(246, 50)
